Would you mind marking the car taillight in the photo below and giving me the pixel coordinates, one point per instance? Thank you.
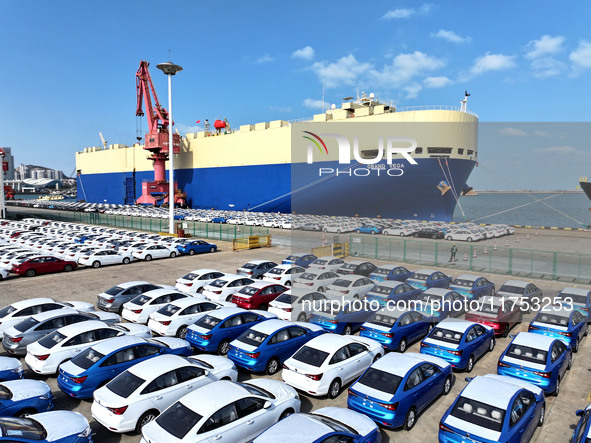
(387, 334)
(424, 345)
(444, 428)
(345, 292)
(15, 339)
(543, 374)
(165, 323)
(85, 258)
(389, 406)
(118, 411)
(188, 284)
(334, 322)
(566, 334)
(531, 328)
(109, 300)
(136, 311)
(79, 379)
(284, 366)
(455, 352)
(42, 357)
(287, 309)
(252, 355)
(502, 365)
(314, 377)
(205, 337)
(277, 278)
(308, 284)
(217, 292)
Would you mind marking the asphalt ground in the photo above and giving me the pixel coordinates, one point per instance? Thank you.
(85, 284)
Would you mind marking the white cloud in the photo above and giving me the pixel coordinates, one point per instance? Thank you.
(581, 57)
(406, 67)
(546, 45)
(436, 82)
(345, 71)
(425, 8)
(492, 62)
(450, 36)
(513, 132)
(265, 59)
(307, 53)
(541, 134)
(283, 109)
(412, 90)
(314, 104)
(545, 67)
(555, 150)
(187, 129)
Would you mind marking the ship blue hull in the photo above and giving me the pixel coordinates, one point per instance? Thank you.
(301, 188)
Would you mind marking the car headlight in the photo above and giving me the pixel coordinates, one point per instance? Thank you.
(47, 396)
(85, 433)
(16, 371)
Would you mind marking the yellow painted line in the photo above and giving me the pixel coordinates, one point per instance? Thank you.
(553, 227)
(589, 397)
(568, 229)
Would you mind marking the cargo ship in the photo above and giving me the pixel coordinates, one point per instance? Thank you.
(585, 186)
(297, 166)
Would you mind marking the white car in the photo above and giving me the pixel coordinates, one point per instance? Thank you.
(3, 273)
(194, 281)
(51, 426)
(315, 280)
(224, 287)
(330, 263)
(138, 309)
(9, 260)
(76, 254)
(22, 310)
(401, 231)
(154, 251)
(464, 235)
(137, 396)
(296, 306)
(102, 257)
(328, 362)
(352, 285)
(174, 318)
(283, 274)
(45, 356)
(224, 411)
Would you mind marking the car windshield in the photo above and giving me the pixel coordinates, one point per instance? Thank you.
(25, 325)
(380, 380)
(140, 300)
(6, 311)
(381, 271)
(428, 298)
(420, 277)
(257, 390)
(552, 319)
(383, 320)
(335, 425)
(464, 283)
(479, 414)
(311, 356)
(190, 276)
(249, 266)
(383, 290)
(276, 271)
(52, 339)
(25, 428)
(178, 420)
(578, 299)
(168, 310)
(125, 384)
(286, 298)
(252, 337)
(488, 308)
(349, 266)
(342, 283)
(293, 258)
(446, 335)
(307, 276)
(208, 322)
(320, 262)
(219, 283)
(87, 358)
(511, 289)
(248, 290)
(527, 353)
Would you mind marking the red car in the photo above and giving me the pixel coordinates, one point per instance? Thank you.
(257, 295)
(43, 265)
(499, 316)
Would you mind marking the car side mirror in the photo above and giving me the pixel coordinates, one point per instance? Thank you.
(469, 379)
(267, 405)
(512, 335)
(120, 334)
(579, 413)
(206, 373)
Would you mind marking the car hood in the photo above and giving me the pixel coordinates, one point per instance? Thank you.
(61, 424)
(108, 317)
(280, 390)
(153, 433)
(23, 389)
(81, 305)
(362, 424)
(9, 363)
(171, 342)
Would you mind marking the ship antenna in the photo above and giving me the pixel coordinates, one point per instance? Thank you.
(464, 102)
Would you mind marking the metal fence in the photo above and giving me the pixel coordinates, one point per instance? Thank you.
(563, 266)
(214, 231)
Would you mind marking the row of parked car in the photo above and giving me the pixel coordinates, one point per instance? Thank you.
(35, 246)
(427, 229)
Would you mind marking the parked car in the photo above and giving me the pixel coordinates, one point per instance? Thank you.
(344, 318)
(266, 345)
(97, 365)
(10, 369)
(396, 389)
(580, 298)
(283, 274)
(561, 322)
(392, 292)
(4, 273)
(113, 299)
(441, 303)
(150, 252)
(459, 342)
(257, 295)
(429, 278)
(315, 280)
(499, 314)
(329, 263)
(429, 233)
(297, 306)
(390, 272)
(303, 260)
(255, 268)
(138, 309)
(102, 257)
(138, 395)
(196, 247)
(195, 281)
(537, 359)
(328, 362)
(472, 286)
(494, 408)
(357, 267)
(582, 432)
(233, 412)
(224, 287)
(368, 229)
(19, 398)
(51, 426)
(43, 265)
(526, 293)
(354, 286)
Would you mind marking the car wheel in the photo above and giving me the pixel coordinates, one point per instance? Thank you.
(126, 261)
(191, 252)
(403, 345)
(31, 273)
(173, 254)
(272, 366)
(415, 235)
(491, 345)
(469, 239)
(287, 283)
(557, 389)
(470, 364)
(338, 231)
(321, 289)
(358, 231)
(377, 357)
(144, 420)
(447, 385)
(223, 347)
(411, 418)
(570, 362)
(96, 264)
(402, 234)
(229, 298)
(348, 330)
(263, 307)
(182, 332)
(68, 268)
(200, 290)
(434, 237)
(302, 317)
(576, 346)
(286, 414)
(506, 330)
(373, 232)
(26, 412)
(212, 249)
(542, 415)
(334, 389)
(148, 257)
(449, 237)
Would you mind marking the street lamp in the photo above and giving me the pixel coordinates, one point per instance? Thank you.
(170, 69)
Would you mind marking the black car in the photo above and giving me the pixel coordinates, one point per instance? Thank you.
(357, 267)
(429, 233)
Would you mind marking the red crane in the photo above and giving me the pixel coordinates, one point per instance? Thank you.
(8, 191)
(156, 140)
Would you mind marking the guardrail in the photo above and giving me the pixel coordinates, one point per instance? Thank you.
(251, 242)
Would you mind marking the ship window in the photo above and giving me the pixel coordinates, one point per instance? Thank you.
(470, 152)
(418, 150)
(439, 150)
(461, 151)
(369, 154)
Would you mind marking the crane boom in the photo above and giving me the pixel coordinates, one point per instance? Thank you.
(157, 116)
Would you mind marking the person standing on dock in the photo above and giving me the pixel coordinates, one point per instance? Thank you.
(452, 257)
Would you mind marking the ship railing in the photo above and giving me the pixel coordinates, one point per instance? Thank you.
(436, 108)
(300, 120)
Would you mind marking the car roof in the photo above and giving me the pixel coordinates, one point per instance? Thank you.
(129, 284)
(327, 257)
(230, 277)
(559, 310)
(387, 266)
(77, 328)
(214, 396)
(399, 364)
(31, 302)
(490, 299)
(576, 291)
(390, 283)
(161, 291)
(355, 262)
(188, 301)
(203, 271)
(115, 343)
(426, 271)
(330, 342)
(496, 391)
(393, 312)
(351, 277)
(455, 324)
(437, 291)
(518, 283)
(257, 262)
(158, 365)
(470, 277)
(537, 341)
(54, 313)
(226, 312)
(260, 284)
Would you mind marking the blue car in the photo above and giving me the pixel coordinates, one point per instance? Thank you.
(330, 424)
(493, 408)
(46, 427)
(537, 359)
(428, 278)
(94, 367)
(473, 286)
(566, 324)
(582, 433)
(579, 298)
(390, 272)
(10, 369)
(196, 247)
(343, 317)
(394, 390)
(440, 303)
(265, 346)
(460, 342)
(303, 260)
(392, 292)
(394, 329)
(214, 331)
(21, 397)
(368, 229)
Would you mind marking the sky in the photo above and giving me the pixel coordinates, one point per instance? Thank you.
(68, 71)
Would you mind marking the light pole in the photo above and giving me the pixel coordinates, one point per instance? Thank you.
(170, 69)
